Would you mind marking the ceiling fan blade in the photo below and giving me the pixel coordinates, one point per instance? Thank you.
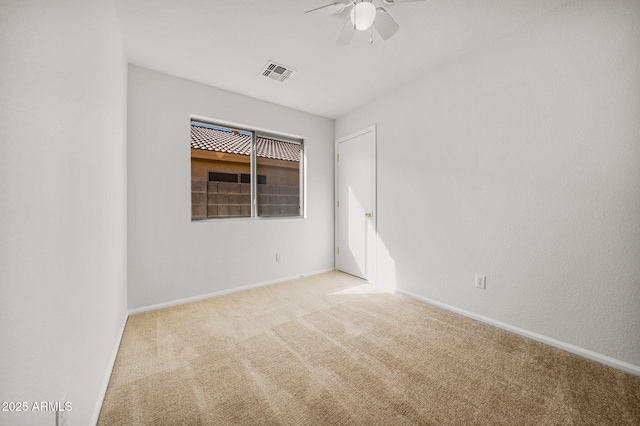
(347, 34)
(330, 9)
(384, 24)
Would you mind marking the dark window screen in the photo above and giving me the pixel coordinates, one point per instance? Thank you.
(223, 177)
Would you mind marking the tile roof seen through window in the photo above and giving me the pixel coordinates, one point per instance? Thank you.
(212, 138)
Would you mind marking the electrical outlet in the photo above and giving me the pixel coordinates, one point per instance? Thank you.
(61, 418)
(61, 412)
(481, 282)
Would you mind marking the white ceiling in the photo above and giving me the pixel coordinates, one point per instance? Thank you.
(227, 43)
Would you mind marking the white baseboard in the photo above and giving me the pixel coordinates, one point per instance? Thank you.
(222, 292)
(585, 353)
(105, 382)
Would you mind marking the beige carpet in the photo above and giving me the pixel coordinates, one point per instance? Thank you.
(330, 350)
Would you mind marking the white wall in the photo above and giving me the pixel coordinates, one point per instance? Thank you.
(62, 203)
(521, 161)
(172, 258)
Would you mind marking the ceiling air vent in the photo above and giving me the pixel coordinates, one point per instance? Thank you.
(277, 72)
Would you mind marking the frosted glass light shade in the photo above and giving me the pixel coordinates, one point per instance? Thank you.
(362, 15)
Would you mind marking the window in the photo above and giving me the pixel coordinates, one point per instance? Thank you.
(241, 173)
(234, 177)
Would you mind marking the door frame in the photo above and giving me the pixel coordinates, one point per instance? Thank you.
(371, 246)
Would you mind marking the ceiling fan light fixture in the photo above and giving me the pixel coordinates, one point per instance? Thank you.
(362, 15)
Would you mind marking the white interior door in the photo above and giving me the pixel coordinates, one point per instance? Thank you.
(355, 189)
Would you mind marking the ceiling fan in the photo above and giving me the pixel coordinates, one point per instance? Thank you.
(364, 15)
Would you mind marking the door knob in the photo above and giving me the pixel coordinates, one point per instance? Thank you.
(367, 214)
